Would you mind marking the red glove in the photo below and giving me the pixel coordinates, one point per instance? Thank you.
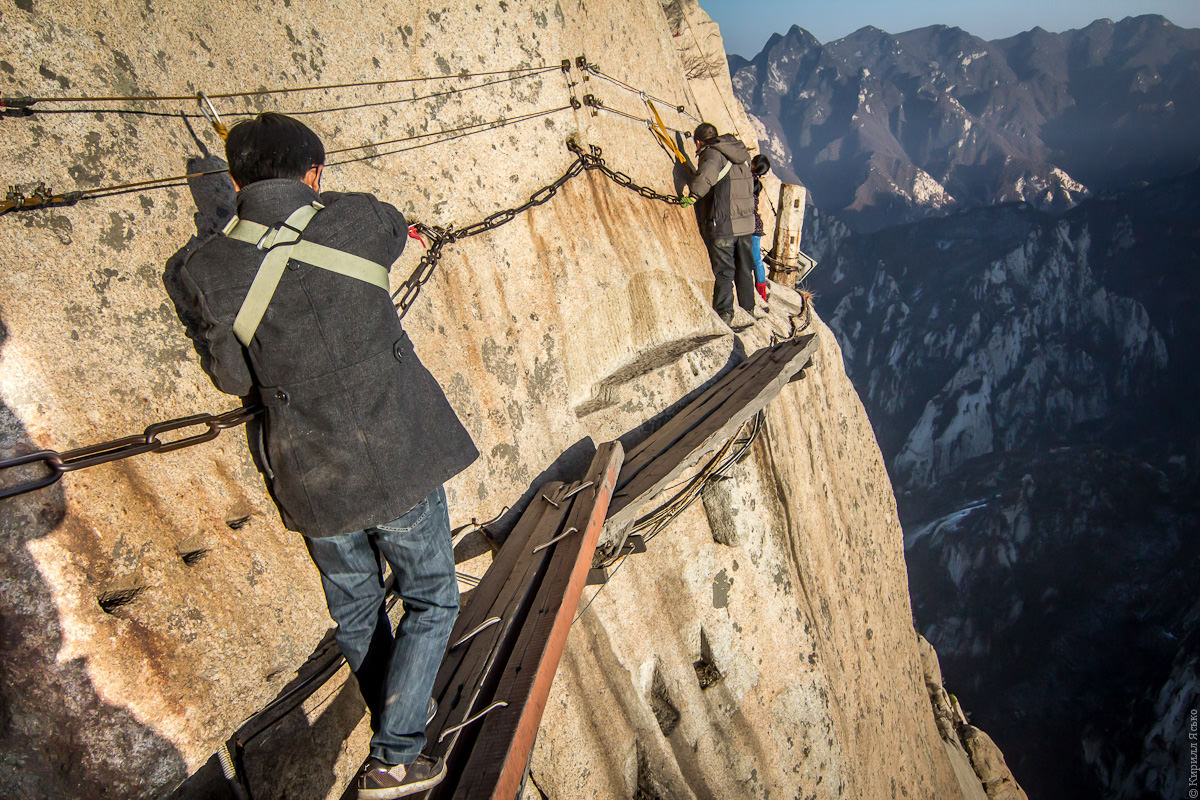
(762, 290)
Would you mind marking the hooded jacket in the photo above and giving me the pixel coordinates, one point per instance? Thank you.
(726, 205)
(357, 430)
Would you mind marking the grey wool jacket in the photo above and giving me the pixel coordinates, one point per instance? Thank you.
(357, 430)
(726, 205)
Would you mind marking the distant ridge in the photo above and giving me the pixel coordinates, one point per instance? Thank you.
(887, 128)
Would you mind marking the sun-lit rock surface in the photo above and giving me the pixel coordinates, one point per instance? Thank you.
(577, 321)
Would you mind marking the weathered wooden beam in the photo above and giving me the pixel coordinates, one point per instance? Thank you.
(706, 403)
(506, 591)
(784, 257)
(505, 740)
(757, 388)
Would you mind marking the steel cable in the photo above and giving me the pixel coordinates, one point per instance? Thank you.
(285, 90)
(678, 108)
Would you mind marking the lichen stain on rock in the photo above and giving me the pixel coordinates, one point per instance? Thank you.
(58, 224)
(88, 168)
(119, 231)
(540, 382)
(49, 74)
(720, 587)
(499, 361)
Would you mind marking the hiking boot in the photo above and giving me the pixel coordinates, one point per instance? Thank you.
(378, 781)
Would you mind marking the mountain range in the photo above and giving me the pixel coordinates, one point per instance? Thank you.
(884, 128)
(1008, 235)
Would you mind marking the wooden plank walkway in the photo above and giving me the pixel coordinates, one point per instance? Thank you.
(507, 642)
(709, 420)
(531, 590)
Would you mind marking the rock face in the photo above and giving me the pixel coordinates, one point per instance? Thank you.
(888, 128)
(152, 604)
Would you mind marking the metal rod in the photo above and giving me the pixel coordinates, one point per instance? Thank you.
(576, 490)
(562, 535)
(487, 623)
(468, 721)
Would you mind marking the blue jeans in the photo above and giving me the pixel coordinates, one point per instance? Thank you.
(760, 270)
(395, 674)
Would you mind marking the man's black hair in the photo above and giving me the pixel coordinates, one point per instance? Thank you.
(760, 165)
(271, 146)
(705, 133)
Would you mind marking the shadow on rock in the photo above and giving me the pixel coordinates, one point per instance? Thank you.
(57, 737)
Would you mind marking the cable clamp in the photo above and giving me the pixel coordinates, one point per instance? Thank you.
(42, 196)
(566, 65)
(210, 114)
(16, 106)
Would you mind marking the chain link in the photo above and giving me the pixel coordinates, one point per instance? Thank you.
(440, 237)
(147, 442)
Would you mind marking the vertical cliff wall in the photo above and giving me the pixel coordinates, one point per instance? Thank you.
(574, 323)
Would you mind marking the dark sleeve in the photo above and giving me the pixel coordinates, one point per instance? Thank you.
(221, 354)
(391, 217)
(707, 172)
(392, 222)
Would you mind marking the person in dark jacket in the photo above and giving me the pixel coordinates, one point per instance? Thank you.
(725, 193)
(759, 165)
(290, 306)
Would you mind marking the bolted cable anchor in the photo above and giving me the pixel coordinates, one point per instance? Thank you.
(594, 103)
(566, 65)
(17, 106)
(41, 197)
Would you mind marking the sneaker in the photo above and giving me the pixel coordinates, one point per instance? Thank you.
(726, 318)
(379, 781)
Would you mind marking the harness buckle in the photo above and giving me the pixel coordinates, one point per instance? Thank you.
(271, 239)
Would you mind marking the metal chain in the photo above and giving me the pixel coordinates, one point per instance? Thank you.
(146, 442)
(442, 236)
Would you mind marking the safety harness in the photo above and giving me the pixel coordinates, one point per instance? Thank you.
(283, 243)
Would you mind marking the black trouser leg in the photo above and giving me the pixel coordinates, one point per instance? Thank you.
(743, 276)
(721, 256)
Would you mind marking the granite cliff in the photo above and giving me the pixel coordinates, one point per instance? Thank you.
(151, 604)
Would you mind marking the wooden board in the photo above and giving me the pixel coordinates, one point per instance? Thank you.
(506, 591)
(706, 403)
(756, 389)
(505, 741)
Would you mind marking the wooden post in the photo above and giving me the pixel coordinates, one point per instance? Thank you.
(785, 256)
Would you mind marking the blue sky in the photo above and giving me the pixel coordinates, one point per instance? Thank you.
(747, 24)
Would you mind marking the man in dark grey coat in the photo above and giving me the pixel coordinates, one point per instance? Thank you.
(724, 189)
(290, 306)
